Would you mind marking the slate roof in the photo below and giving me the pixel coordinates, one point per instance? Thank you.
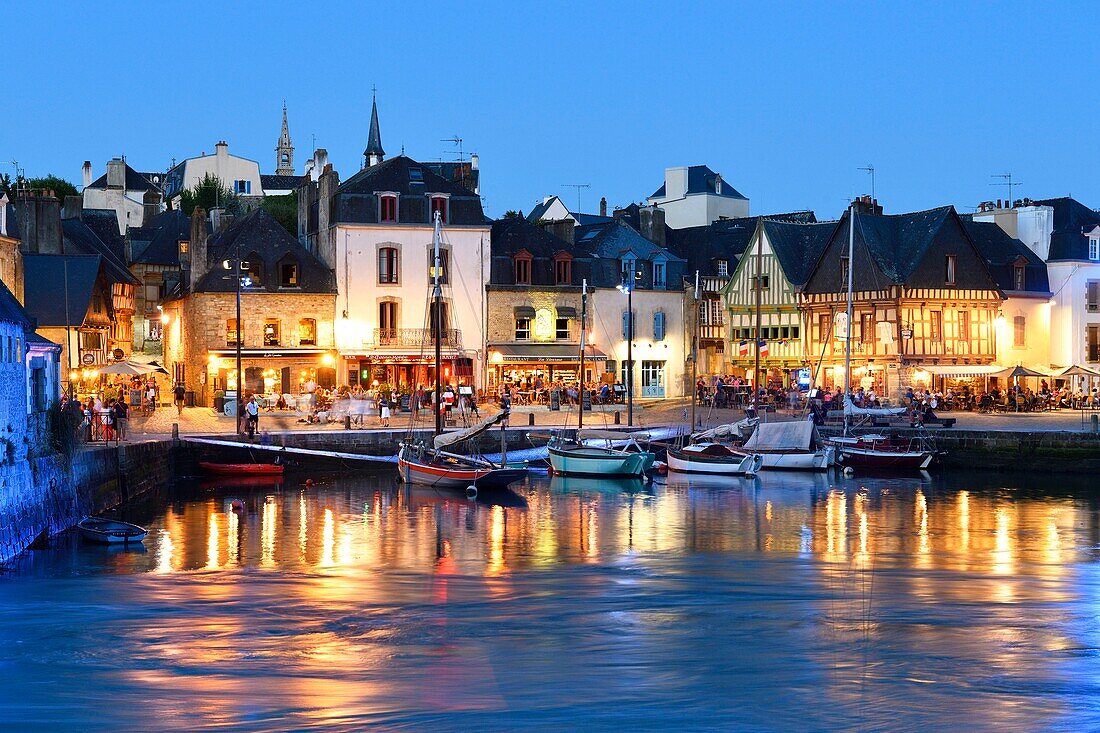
(701, 180)
(356, 200)
(280, 183)
(459, 172)
(374, 136)
(898, 242)
(134, 181)
(158, 244)
(606, 243)
(258, 233)
(81, 240)
(540, 209)
(45, 293)
(104, 222)
(1001, 252)
(510, 236)
(798, 246)
(725, 239)
(1071, 219)
(11, 311)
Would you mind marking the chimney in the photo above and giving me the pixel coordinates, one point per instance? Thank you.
(603, 206)
(116, 173)
(87, 173)
(867, 205)
(326, 240)
(216, 219)
(651, 221)
(221, 148)
(198, 262)
(562, 229)
(73, 207)
(473, 161)
(676, 182)
(150, 205)
(39, 216)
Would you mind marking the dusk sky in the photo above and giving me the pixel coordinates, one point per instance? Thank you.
(787, 100)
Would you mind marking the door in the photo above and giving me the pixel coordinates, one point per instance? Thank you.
(285, 380)
(653, 379)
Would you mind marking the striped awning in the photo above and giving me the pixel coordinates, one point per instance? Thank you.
(963, 370)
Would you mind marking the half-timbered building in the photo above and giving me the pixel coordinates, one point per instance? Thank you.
(925, 303)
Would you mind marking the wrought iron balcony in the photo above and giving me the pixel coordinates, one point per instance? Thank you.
(390, 337)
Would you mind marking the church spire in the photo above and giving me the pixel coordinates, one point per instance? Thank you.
(374, 153)
(285, 151)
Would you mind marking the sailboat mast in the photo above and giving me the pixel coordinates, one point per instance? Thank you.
(437, 331)
(848, 333)
(756, 338)
(695, 355)
(580, 375)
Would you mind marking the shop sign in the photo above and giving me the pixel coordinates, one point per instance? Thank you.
(87, 359)
(907, 333)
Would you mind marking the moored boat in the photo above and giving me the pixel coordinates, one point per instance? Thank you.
(110, 531)
(882, 452)
(577, 458)
(789, 446)
(713, 458)
(418, 464)
(241, 469)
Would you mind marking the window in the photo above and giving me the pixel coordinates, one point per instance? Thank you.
(387, 266)
(231, 332)
(91, 340)
(563, 270)
(387, 212)
(867, 328)
(288, 275)
(794, 332)
(658, 326)
(523, 270)
(629, 269)
(271, 332)
(1092, 296)
(949, 275)
(387, 318)
(307, 332)
(653, 379)
(416, 175)
(723, 268)
(628, 325)
(964, 325)
(38, 389)
(152, 294)
(764, 282)
(439, 204)
(523, 329)
(184, 246)
(444, 261)
(823, 326)
(1094, 248)
(1019, 324)
(561, 329)
(1093, 337)
(935, 325)
(434, 320)
(1018, 277)
(659, 275)
(254, 268)
(844, 273)
(154, 329)
(242, 186)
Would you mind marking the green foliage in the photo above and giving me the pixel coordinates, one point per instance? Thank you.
(60, 187)
(512, 214)
(62, 429)
(210, 193)
(285, 211)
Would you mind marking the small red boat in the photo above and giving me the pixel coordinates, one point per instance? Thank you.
(242, 469)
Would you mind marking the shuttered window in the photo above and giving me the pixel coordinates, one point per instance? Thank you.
(658, 326)
(628, 325)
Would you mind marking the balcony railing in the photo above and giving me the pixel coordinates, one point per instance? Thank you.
(390, 337)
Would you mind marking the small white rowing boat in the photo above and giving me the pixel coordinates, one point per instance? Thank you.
(110, 531)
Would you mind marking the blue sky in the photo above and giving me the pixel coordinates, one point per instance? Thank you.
(786, 100)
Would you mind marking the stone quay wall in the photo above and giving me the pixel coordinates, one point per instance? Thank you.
(45, 495)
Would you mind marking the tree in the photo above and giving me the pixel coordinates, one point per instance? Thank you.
(60, 187)
(511, 214)
(209, 193)
(284, 209)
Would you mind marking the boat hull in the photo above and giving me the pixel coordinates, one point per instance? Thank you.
(818, 460)
(424, 473)
(869, 458)
(587, 460)
(242, 469)
(110, 532)
(733, 465)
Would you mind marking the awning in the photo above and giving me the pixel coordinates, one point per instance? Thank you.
(543, 352)
(567, 311)
(272, 353)
(964, 370)
(525, 311)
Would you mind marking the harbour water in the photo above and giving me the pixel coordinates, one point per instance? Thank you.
(782, 603)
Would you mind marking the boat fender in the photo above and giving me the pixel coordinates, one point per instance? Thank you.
(309, 482)
(662, 469)
(849, 471)
(471, 492)
(237, 505)
(550, 471)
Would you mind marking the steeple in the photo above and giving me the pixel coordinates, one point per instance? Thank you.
(374, 153)
(285, 151)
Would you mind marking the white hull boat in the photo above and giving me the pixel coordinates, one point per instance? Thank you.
(109, 531)
(715, 459)
(789, 446)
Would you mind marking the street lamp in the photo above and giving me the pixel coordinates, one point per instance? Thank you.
(627, 285)
(236, 265)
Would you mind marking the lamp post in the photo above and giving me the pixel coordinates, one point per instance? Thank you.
(627, 286)
(235, 265)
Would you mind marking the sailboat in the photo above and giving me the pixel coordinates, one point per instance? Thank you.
(703, 454)
(871, 451)
(576, 457)
(418, 463)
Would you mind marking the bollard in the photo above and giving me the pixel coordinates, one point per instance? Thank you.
(176, 429)
(618, 421)
(347, 419)
(1095, 422)
(530, 418)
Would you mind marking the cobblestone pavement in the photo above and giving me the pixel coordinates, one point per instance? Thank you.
(203, 420)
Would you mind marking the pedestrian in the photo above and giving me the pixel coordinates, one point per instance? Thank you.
(122, 415)
(385, 411)
(178, 394)
(252, 411)
(109, 421)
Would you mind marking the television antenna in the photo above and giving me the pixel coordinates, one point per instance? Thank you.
(457, 142)
(1007, 178)
(579, 187)
(870, 169)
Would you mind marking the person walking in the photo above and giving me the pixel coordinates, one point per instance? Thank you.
(252, 411)
(122, 414)
(178, 393)
(384, 410)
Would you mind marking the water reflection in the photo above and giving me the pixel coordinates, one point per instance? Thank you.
(355, 602)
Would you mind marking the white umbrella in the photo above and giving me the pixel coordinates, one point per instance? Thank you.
(127, 367)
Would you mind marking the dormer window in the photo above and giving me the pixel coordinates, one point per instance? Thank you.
(1018, 277)
(288, 274)
(630, 270)
(387, 208)
(723, 268)
(949, 269)
(242, 186)
(563, 269)
(439, 204)
(1094, 247)
(522, 265)
(659, 275)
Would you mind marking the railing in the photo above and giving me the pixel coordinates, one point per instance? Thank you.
(451, 337)
(712, 333)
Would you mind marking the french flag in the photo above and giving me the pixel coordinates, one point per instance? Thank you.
(743, 348)
(763, 346)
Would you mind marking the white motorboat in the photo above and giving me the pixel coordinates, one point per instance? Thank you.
(713, 458)
(789, 446)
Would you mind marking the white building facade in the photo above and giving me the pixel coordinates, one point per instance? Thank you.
(695, 195)
(239, 175)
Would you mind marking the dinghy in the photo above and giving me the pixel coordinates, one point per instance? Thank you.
(110, 531)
